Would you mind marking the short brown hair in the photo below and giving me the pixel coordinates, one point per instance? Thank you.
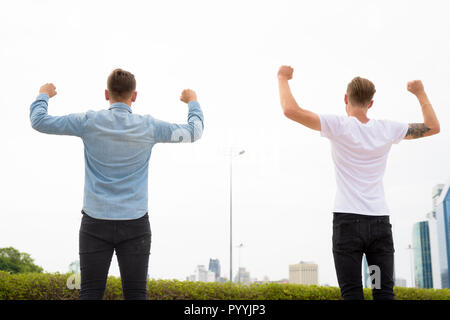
(121, 84)
(360, 91)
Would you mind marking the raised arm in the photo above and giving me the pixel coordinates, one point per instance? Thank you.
(430, 125)
(71, 124)
(290, 107)
(191, 131)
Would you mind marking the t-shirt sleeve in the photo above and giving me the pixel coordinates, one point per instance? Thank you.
(398, 131)
(330, 125)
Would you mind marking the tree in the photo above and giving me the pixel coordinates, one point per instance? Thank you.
(14, 261)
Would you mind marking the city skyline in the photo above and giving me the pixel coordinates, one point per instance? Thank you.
(431, 242)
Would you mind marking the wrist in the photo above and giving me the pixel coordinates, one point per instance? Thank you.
(421, 95)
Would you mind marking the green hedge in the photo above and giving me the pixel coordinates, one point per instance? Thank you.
(47, 286)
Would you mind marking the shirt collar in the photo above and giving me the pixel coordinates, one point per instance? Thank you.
(121, 106)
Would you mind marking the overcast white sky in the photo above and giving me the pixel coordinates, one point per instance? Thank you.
(229, 52)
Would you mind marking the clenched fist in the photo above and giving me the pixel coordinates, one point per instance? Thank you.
(188, 95)
(285, 72)
(416, 87)
(48, 88)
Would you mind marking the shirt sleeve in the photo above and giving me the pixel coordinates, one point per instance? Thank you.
(71, 124)
(398, 131)
(330, 125)
(167, 132)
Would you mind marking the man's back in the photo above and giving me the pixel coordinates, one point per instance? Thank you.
(359, 154)
(117, 148)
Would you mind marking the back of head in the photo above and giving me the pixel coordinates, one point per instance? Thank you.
(360, 92)
(121, 84)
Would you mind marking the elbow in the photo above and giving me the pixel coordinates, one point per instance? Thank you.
(35, 124)
(291, 110)
(197, 135)
(197, 131)
(288, 113)
(437, 130)
(37, 120)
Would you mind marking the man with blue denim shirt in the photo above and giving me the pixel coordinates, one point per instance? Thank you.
(117, 150)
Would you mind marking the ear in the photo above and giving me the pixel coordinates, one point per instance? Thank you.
(134, 96)
(370, 104)
(346, 99)
(106, 94)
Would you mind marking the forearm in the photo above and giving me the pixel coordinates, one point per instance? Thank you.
(293, 111)
(38, 111)
(195, 120)
(429, 116)
(287, 100)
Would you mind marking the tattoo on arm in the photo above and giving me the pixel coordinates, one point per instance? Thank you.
(417, 130)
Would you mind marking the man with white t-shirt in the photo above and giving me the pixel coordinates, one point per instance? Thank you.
(359, 148)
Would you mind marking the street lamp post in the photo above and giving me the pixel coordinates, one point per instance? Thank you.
(239, 261)
(231, 211)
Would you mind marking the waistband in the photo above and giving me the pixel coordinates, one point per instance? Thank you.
(359, 217)
(145, 216)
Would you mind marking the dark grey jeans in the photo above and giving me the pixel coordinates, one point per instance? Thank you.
(353, 236)
(131, 239)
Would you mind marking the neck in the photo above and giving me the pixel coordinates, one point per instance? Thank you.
(128, 102)
(358, 112)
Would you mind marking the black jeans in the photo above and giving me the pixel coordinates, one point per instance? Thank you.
(131, 239)
(353, 236)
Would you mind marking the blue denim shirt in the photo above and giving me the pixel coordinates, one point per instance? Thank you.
(117, 149)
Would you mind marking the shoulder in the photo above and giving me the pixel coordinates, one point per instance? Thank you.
(91, 113)
(146, 118)
(394, 130)
(333, 118)
(332, 125)
(391, 124)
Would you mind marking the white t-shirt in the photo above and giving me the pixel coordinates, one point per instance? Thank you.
(359, 154)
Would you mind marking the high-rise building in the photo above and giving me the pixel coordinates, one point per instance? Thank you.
(434, 241)
(201, 274)
(242, 276)
(441, 204)
(422, 255)
(214, 266)
(304, 273)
